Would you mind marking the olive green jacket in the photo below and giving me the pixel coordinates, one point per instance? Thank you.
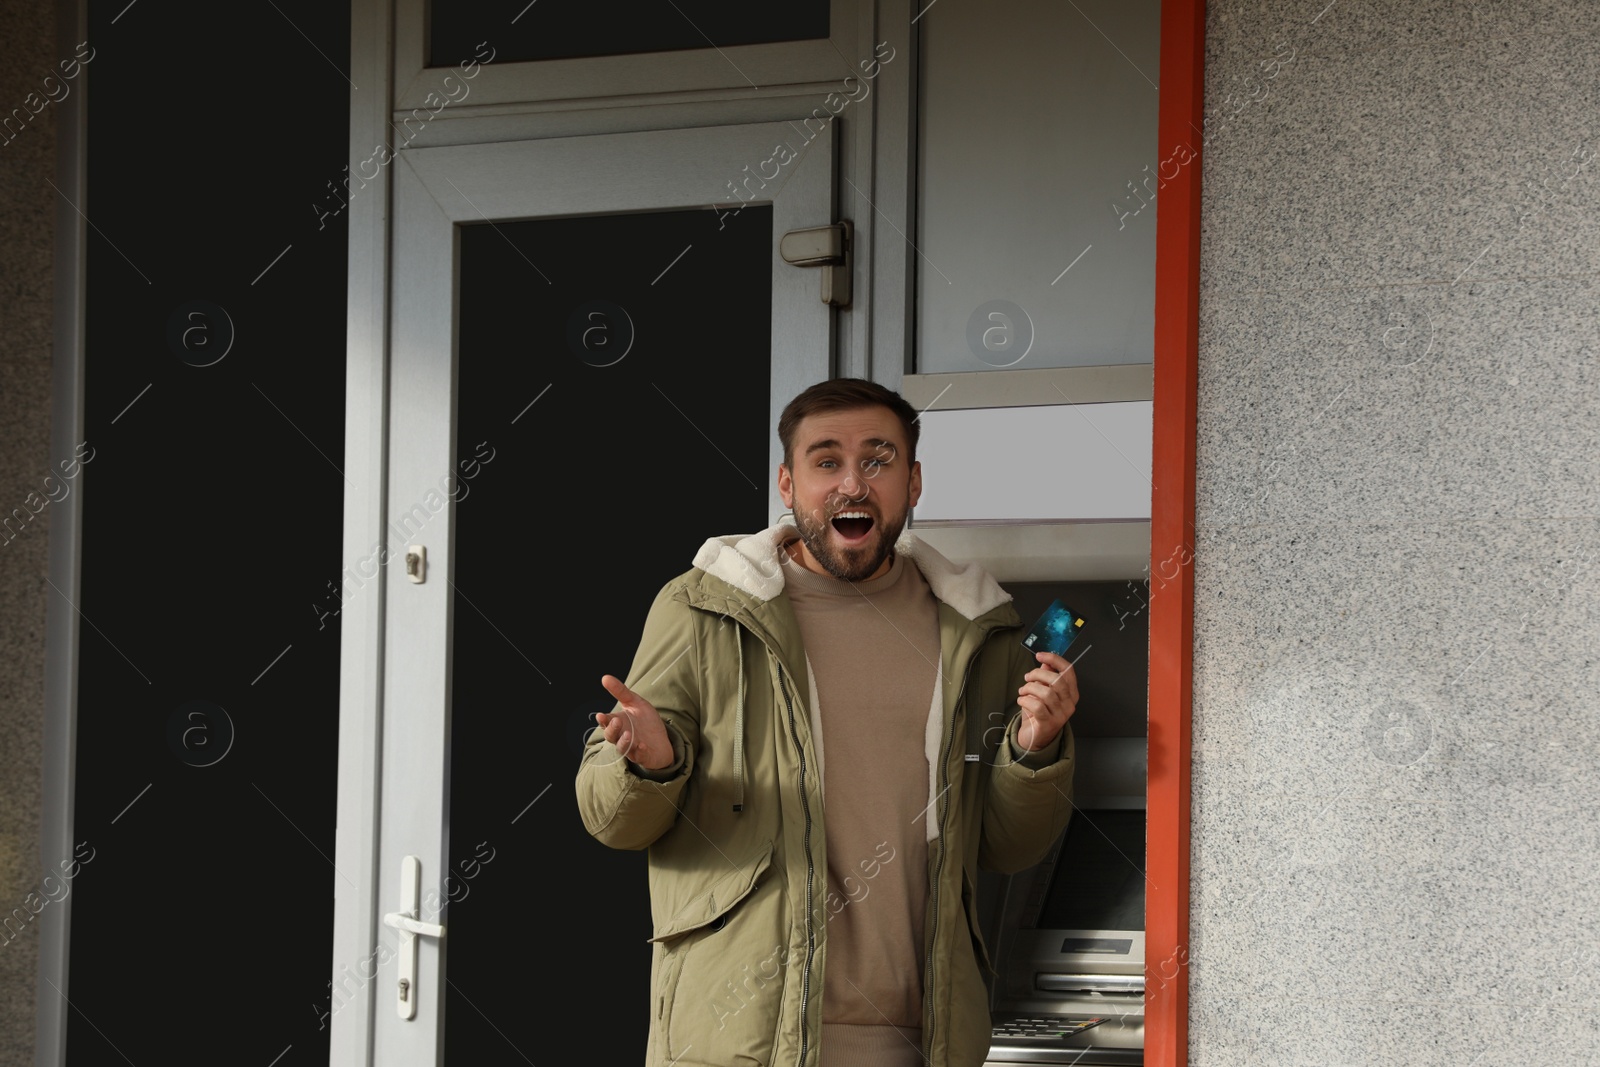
(736, 835)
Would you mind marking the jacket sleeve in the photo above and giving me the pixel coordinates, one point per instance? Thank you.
(1029, 800)
(620, 805)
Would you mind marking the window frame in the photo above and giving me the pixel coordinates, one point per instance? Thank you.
(563, 82)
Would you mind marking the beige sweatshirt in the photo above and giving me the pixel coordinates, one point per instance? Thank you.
(873, 647)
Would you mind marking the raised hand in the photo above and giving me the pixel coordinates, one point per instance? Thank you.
(1047, 697)
(637, 729)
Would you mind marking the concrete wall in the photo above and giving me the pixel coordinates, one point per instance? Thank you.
(1394, 840)
(27, 228)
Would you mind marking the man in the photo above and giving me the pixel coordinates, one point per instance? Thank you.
(827, 729)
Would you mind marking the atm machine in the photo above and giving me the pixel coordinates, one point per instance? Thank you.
(1067, 936)
(1069, 932)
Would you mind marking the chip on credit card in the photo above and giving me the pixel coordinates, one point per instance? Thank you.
(1055, 630)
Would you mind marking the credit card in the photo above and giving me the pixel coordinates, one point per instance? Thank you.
(1055, 631)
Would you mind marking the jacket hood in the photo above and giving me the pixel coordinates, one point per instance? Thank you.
(751, 562)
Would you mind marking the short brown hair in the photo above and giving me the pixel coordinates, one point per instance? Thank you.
(845, 394)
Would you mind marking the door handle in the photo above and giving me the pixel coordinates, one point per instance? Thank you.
(405, 922)
(411, 928)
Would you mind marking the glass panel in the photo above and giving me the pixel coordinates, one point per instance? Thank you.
(1037, 188)
(1098, 884)
(523, 30)
(613, 407)
(209, 613)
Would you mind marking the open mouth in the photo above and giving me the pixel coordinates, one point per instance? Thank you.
(853, 526)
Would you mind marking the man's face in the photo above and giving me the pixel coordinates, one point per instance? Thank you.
(850, 463)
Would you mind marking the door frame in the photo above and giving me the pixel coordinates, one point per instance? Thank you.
(355, 920)
(1180, 137)
(59, 741)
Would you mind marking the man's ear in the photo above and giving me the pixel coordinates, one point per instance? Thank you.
(916, 482)
(785, 487)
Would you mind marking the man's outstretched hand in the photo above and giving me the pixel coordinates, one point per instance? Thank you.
(636, 730)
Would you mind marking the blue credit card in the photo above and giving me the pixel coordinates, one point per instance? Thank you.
(1055, 631)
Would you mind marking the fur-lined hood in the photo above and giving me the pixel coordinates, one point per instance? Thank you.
(751, 563)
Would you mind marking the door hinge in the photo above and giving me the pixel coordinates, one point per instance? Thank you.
(828, 247)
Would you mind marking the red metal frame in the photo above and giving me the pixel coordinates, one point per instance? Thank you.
(1171, 533)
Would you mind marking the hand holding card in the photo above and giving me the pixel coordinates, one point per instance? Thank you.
(1048, 698)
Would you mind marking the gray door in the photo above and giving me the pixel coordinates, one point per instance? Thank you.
(586, 364)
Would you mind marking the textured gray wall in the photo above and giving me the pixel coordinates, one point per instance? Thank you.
(1394, 840)
(27, 228)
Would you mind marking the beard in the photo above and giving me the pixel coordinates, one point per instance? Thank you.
(845, 563)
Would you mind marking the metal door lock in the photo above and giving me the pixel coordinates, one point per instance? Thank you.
(417, 563)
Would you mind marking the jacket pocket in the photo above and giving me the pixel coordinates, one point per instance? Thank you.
(723, 957)
(716, 900)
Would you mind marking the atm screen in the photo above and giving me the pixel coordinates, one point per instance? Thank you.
(1099, 877)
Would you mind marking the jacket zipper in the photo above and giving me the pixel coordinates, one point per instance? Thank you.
(811, 936)
(938, 870)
